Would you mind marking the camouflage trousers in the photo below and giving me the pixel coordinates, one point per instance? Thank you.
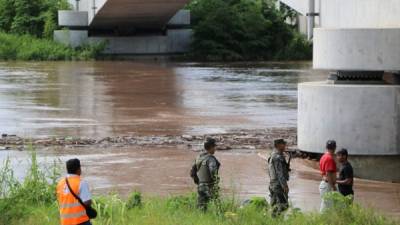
(206, 193)
(279, 200)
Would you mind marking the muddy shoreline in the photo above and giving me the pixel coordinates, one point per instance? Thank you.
(242, 139)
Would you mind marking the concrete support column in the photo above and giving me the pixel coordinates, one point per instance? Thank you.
(77, 23)
(73, 38)
(365, 119)
(70, 18)
(310, 19)
(357, 49)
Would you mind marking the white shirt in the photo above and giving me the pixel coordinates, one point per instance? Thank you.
(84, 192)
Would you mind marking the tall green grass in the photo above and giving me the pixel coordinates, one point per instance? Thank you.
(32, 201)
(26, 47)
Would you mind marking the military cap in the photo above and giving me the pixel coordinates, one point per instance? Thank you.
(210, 142)
(279, 141)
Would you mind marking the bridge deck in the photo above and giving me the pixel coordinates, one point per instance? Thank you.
(144, 14)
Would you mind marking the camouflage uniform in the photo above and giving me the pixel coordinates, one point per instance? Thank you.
(279, 175)
(207, 171)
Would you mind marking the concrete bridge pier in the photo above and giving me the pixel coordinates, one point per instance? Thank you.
(363, 118)
(76, 26)
(358, 42)
(133, 27)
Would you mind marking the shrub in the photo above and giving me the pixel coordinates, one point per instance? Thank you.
(34, 17)
(26, 47)
(35, 190)
(134, 200)
(260, 203)
(244, 30)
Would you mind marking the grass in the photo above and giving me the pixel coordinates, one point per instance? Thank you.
(26, 47)
(32, 201)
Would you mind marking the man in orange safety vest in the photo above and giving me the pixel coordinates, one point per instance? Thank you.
(72, 211)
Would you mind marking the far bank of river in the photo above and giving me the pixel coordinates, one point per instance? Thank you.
(138, 125)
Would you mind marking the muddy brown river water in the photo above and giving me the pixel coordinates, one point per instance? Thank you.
(99, 99)
(115, 98)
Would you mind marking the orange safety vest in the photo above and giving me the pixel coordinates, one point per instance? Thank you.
(71, 211)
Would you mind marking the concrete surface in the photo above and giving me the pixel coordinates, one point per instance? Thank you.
(69, 18)
(302, 24)
(73, 38)
(383, 168)
(182, 17)
(300, 6)
(354, 35)
(144, 14)
(90, 6)
(176, 41)
(360, 13)
(179, 40)
(363, 118)
(357, 49)
(352, 13)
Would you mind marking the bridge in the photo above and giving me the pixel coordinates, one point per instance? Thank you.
(128, 26)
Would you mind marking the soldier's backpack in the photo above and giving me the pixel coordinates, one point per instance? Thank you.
(193, 174)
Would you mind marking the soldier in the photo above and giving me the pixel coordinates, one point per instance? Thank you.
(205, 174)
(279, 176)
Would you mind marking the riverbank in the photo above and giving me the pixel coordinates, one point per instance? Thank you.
(26, 47)
(182, 210)
(158, 171)
(31, 201)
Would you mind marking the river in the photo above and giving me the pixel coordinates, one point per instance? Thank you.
(114, 98)
(117, 98)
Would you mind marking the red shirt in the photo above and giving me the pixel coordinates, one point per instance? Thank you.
(327, 164)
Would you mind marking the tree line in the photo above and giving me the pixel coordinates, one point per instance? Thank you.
(245, 30)
(34, 17)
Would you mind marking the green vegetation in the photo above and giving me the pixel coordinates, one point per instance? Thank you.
(26, 32)
(245, 30)
(33, 201)
(34, 17)
(228, 30)
(26, 47)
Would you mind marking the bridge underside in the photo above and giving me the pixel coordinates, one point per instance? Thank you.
(138, 14)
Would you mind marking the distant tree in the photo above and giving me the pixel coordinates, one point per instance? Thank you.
(7, 14)
(27, 19)
(241, 30)
(50, 16)
(34, 17)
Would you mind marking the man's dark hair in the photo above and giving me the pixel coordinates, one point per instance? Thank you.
(73, 165)
(343, 152)
(279, 142)
(210, 142)
(331, 145)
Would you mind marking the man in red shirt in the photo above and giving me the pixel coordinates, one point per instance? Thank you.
(327, 166)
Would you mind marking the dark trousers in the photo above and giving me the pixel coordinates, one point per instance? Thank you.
(86, 223)
(204, 196)
(279, 200)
